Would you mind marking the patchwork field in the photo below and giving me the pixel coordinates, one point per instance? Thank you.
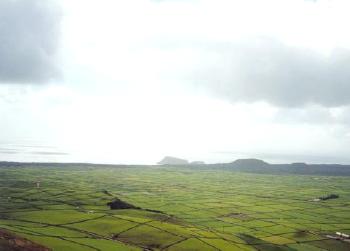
(177, 209)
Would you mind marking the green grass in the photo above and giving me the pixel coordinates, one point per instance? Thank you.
(149, 237)
(192, 245)
(202, 209)
(107, 226)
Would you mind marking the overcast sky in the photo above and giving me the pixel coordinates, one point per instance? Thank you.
(112, 81)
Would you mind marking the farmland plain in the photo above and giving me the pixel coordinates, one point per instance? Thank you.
(181, 208)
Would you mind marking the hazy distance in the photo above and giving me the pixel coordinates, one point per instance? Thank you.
(134, 81)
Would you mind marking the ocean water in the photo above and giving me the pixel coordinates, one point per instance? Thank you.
(37, 151)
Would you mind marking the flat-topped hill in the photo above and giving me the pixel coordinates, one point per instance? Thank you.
(168, 160)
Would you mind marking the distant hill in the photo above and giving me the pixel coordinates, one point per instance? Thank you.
(299, 164)
(168, 160)
(250, 163)
(197, 163)
(260, 166)
(241, 165)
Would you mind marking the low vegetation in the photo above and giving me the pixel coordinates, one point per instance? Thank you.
(167, 208)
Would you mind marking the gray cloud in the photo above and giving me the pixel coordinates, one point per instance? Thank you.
(312, 115)
(267, 70)
(29, 34)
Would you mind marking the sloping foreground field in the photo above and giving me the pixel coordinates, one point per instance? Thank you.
(175, 209)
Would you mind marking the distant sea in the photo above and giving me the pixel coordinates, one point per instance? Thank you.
(35, 151)
(31, 152)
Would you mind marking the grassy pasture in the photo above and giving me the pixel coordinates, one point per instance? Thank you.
(182, 209)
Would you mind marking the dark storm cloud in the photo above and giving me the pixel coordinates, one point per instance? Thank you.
(267, 70)
(29, 31)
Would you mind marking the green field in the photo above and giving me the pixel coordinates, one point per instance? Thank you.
(200, 209)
